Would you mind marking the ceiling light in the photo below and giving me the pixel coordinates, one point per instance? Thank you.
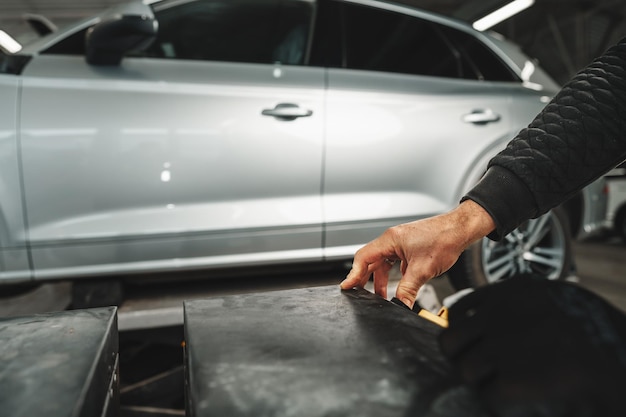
(8, 43)
(502, 14)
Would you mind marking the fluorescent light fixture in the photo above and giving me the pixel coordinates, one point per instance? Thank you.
(502, 14)
(8, 43)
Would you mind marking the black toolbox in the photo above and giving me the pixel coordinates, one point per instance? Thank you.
(316, 352)
(62, 364)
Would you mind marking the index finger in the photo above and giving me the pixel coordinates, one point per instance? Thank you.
(357, 277)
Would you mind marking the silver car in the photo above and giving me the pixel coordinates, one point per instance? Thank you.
(201, 134)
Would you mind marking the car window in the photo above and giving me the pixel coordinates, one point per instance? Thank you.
(374, 39)
(381, 40)
(72, 45)
(255, 31)
(484, 62)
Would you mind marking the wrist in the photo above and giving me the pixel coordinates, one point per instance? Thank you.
(472, 221)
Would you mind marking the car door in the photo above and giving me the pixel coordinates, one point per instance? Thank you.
(205, 150)
(408, 118)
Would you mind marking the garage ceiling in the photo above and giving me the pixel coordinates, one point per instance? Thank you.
(564, 35)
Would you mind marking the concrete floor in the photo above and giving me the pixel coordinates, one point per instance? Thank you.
(601, 265)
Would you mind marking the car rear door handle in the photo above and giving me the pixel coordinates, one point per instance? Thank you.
(287, 111)
(481, 117)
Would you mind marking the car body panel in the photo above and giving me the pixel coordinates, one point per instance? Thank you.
(178, 159)
(386, 134)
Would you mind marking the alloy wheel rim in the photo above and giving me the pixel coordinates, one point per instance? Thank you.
(538, 246)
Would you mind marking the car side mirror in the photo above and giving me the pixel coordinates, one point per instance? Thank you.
(107, 42)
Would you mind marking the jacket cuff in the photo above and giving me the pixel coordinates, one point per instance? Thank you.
(506, 198)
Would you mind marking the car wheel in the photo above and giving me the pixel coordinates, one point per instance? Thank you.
(540, 246)
(619, 224)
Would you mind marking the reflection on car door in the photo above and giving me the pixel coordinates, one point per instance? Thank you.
(173, 159)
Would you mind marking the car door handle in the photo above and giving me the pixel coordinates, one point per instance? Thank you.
(287, 111)
(481, 117)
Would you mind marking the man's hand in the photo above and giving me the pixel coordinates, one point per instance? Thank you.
(426, 249)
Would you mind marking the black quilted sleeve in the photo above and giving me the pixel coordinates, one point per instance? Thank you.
(578, 137)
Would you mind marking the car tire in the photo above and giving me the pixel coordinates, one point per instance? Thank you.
(540, 246)
(619, 224)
